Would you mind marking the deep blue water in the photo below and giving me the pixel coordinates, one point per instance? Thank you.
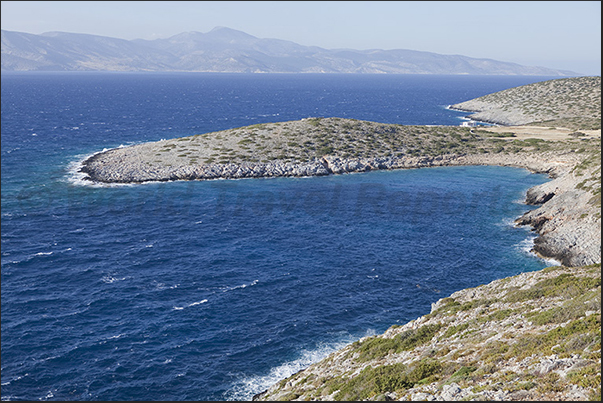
(214, 290)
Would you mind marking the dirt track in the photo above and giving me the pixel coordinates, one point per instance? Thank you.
(544, 133)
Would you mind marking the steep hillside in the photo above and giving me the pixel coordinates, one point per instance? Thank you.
(535, 336)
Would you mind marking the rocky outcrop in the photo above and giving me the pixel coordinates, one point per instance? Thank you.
(568, 222)
(108, 168)
(119, 166)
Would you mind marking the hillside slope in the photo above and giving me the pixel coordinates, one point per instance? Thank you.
(573, 101)
(534, 336)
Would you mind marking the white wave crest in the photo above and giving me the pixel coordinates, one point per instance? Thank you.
(78, 178)
(254, 282)
(506, 222)
(110, 279)
(527, 247)
(248, 386)
(12, 380)
(179, 308)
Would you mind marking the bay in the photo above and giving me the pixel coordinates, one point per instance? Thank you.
(213, 290)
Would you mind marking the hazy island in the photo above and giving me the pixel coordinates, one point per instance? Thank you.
(225, 50)
(535, 336)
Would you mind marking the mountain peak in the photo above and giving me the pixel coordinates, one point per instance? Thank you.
(221, 28)
(228, 33)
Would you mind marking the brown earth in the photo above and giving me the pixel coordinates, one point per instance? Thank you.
(540, 132)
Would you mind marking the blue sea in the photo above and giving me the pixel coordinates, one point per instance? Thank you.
(214, 290)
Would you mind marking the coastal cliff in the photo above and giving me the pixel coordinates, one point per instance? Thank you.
(534, 336)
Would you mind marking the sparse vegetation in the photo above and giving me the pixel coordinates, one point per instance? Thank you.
(408, 340)
(559, 316)
(297, 141)
(574, 103)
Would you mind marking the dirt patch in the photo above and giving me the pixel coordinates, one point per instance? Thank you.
(543, 133)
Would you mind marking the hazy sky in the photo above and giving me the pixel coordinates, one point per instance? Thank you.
(555, 34)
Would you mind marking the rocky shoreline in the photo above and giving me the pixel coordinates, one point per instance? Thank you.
(123, 165)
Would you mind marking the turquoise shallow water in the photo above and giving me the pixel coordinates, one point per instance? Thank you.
(213, 290)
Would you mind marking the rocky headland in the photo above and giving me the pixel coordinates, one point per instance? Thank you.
(535, 336)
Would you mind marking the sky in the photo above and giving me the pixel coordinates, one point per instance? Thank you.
(555, 34)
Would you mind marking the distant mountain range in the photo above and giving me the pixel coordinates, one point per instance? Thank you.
(228, 50)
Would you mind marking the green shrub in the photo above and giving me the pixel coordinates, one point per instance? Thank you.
(565, 285)
(462, 373)
(372, 382)
(452, 330)
(325, 150)
(377, 347)
(587, 377)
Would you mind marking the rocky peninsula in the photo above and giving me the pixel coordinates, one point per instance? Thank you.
(535, 336)
(326, 146)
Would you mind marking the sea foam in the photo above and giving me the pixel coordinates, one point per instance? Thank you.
(249, 385)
